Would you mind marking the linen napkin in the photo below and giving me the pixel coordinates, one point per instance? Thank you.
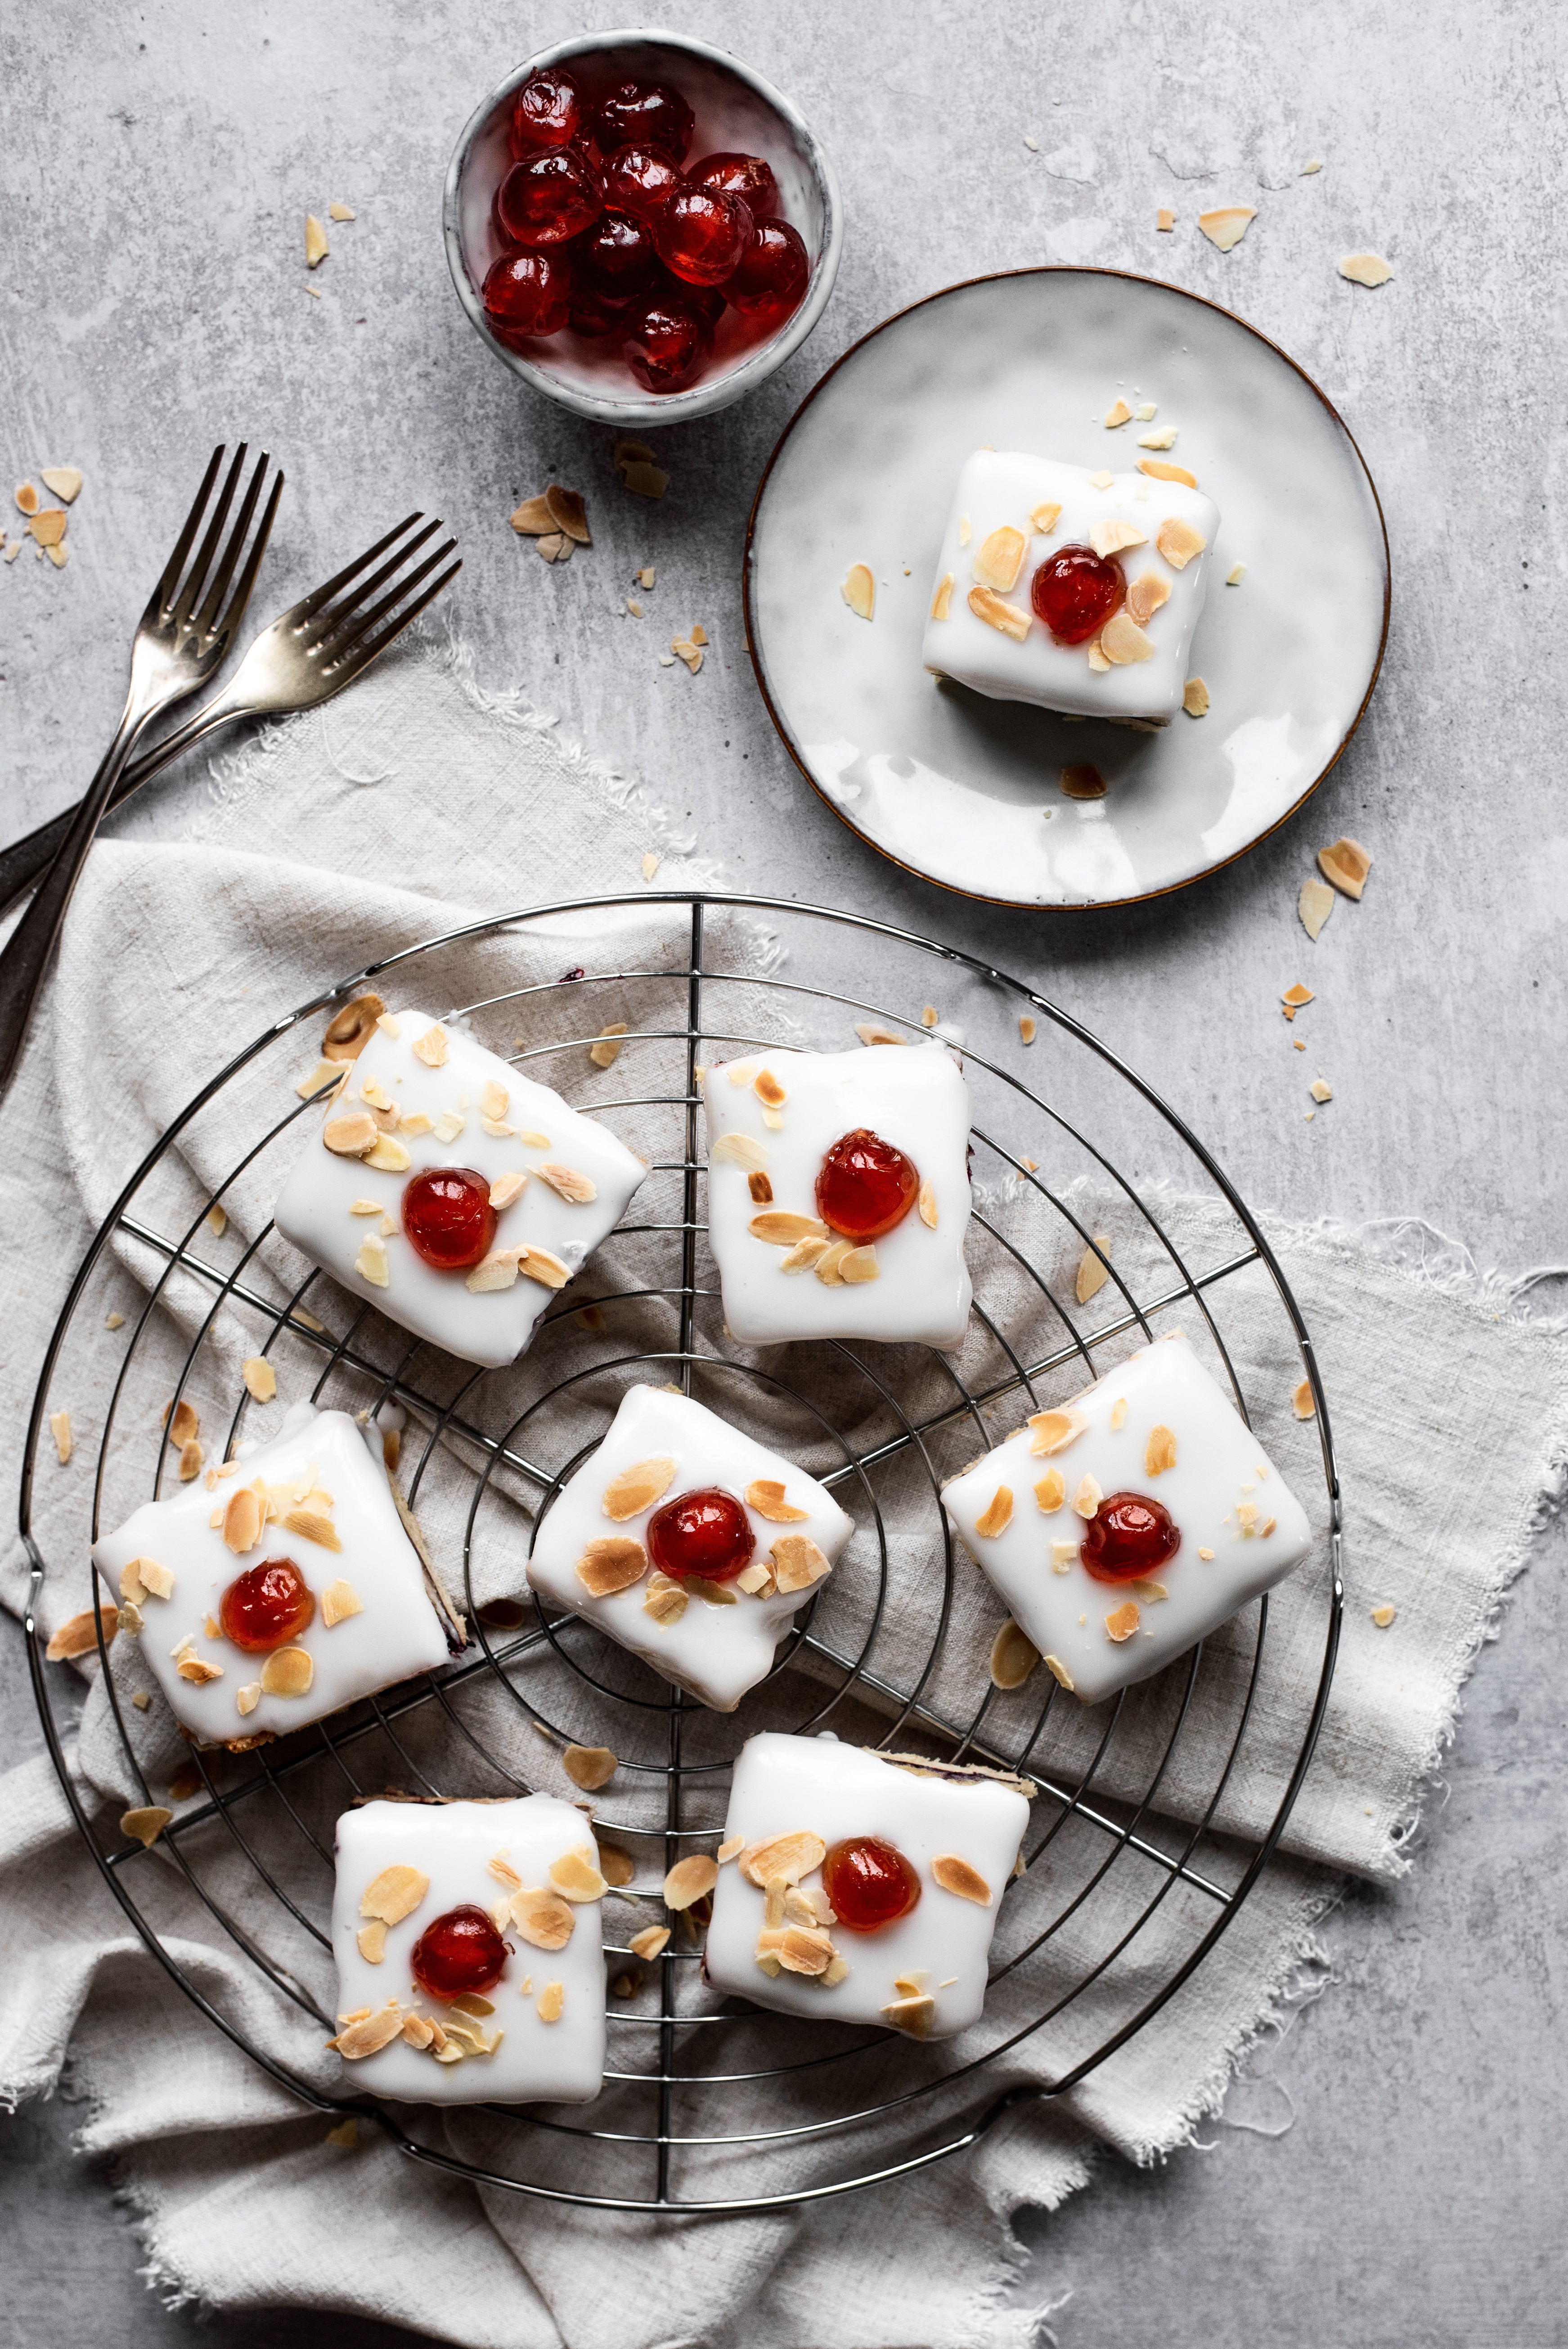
(175, 957)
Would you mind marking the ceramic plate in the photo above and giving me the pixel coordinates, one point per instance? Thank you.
(967, 791)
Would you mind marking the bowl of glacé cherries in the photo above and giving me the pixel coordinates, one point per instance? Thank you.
(640, 226)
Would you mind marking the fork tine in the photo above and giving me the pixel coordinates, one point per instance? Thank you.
(186, 604)
(235, 612)
(337, 643)
(313, 603)
(233, 549)
(164, 590)
(358, 656)
(329, 621)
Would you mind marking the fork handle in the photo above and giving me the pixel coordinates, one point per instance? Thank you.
(25, 956)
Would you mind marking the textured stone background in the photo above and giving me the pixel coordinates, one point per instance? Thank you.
(157, 165)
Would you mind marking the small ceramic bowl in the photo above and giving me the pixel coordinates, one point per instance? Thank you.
(736, 110)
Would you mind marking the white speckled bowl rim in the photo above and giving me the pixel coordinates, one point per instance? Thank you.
(720, 391)
(787, 678)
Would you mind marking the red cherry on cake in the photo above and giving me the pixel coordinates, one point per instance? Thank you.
(866, 1187)
(640, 181)
(746, 176)
(1128, 1536)
(870, 1883)
(546, 112)
(528, 293)
(702, 235)
(1075, 591)
(666, 341)
(772, 277)
(460, 1955)
(267, 1606)
(704, 1537)
(448, 1216)
(616, 259)
(547, 200)
(646, 114)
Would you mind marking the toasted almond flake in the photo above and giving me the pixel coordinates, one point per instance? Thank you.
(60, 1429)
(665, 1601)
(533, 519)
(1109, 537)
(1087, 1498)
(781, 1229)
(1145, 596)
(859, 1264)
(493, 1098)
(1014, 1656)
(1123, 642)
(1163, 438)
(198, 1672)
(1347, 864)
(370, 2035)
(1051, 1491)
(114, 1322)
(1062, 1556)
(27, 497)
(244, 1517)
(1313, 906)
(1000, 558)
(786, 1858)
(316, 247)
(1157, 470)
(1092, 1271)
(1227, 225)
(957, 1877)
(371, 1942)
(1059, 1671)
(607, 1051)
(48, 527)
(765, 1495)
(760, 1189)
(871, 1032)
(192, 1461)
(1102, 480)
(730, 1849)
(156, 1580)
(588, 1766)
(826, 1266)
(1295, 997)
(567, 1183)
(757, 1579)
(998, 1515)
(1122, 1621)
(542, 1918)
(965, 531)
(912, 2016)
(1046, 517)
(182, 1422)
(1382, 1616)
(805, 1254)
(1247, 1519)
(1165, 218)
(768, 1090)
(798, 1562)
(1195, 697)
(1095, 658)
(1117, 413)
(246, 1699)
(613, 1562)
(997, 612)
(1264, 1530)
(649, 1941)
(1159, 1451)
(260, 1379)
(288, 1672)
(388, 1156)
(145, 1824)
(575, 1875)
(689, 1879)
(1321, 1092)
(371, 1263)
(1366, 269)
(636, 1488)
(941, 602)
(1179, 542)
(568, 513)
(539, 1264)
(715, 1594)
(1052, 1431)
(859, 590)
(1151, 1593)
(1304, 1402)
(339, 1600)
(1083, 781)
(497, 1271)
(352, 1135)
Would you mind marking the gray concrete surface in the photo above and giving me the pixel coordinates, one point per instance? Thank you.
(158, 165)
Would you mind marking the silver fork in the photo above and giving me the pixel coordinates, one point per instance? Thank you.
(178, 644)
(304, 658)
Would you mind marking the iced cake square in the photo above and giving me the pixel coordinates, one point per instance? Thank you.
(689, 1543)
(1131, 1523)
(1119, 564)
(838, 1195)
(471, 1962)
(278, 1588)
(860, 1887)
(452, 1193)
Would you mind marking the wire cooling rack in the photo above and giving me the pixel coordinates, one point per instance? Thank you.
(677, 2128)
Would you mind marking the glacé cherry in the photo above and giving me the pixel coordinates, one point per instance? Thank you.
(646, 114)
(640, 181)
(703, 1537)
(546, 112)
(866, 1187)
(1128, 1536)
(448, 1216)
(547, 199)
(1075, 591)
(870, 1883)
(595, 315)
(702, 235)
(266, 1607)
(746, 176)
(459, 1955)
(666, 341)
(616, 259)
(528, 293)
(772, 275)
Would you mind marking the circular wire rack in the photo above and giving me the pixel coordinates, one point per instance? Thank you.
(684, 2071)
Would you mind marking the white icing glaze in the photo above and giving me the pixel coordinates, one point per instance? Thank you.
(491, 1327)
(782, 1784)
(915, 1098)
(996, 488)
(1220, 1465)
(396, 1634)
(452, 1844)
(714, 1652)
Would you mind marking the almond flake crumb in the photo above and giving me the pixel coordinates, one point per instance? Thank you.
(1050, 1492)
(1119, 1414)
(1227, 226)
(1303, 1401)
(1102, 480)
(26, 497)
(965, 529)
(316, 247)
(60, 1429)
(1059, 1671)
(1117, 413)
(1234, 577)
(607, 1051)
(871, 1031)
(1320, 1092)
(649, 1941)
(1014, 1656)
(1347, 864)
(146, 1823)
(1165, 218)
(997, 612)
(371, 1263)
(941, 602)
(1122, 1621)
(1158, 469)
(1313, 906)
(1145, 596)
(1084, 782)
(49, 528)
(1366, 269)
(1045, 518)
(646, 576)
(1112, 536)
(260, 1379)
(1086, 1499)
(1163, 438)
(1092, 1271)
(1293, 998)
(1382, 1616)
(651, 863)
(339, 1600)
(634, 608)
(859, 591)
(114, 1322)
(1027, 1030)
(340, 212)
(1195, 697)
(998, 1515)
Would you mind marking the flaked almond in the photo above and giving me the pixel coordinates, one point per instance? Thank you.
(1304, 1402)
(1151, 1593)
(715, 1594)
(665, 1601)
(780, 1228)
(1313, 906)
(1051, 1491)
(828, 1267)
(1320, 1091)
(1059, 1671)
(389, 1155)
(1082, 781)
(316, 247)
(431, 1047)
(1165, 438)
(941, 602)
(371, 1942)
(871, 1032)
(288, 1672)
(1382, 1615)
(1366, 269)
(768, 1090)
(568, 513)
(859, 590)
(1145, 596)
(912, 2016)
(1046, 517)
(1095, 658)
(637, 1488)
(998, 1515)
(765, 1495)
(539, 1264)
(1296, 998)
(801, 1949)
(1117, 413)
(1195, 697)
(805, 1255)
(757, 1579)
(260, 1379)
(493, 1100)
(1157, 470)
(351, 1135)
(760, 1189)
(244, 1517)
(997, 612)
(1347, 864)
(1227, 225)
(369, 2036)
(797, 1562)
(543, 1919)
(192, 1461)
(506, 1188)
(198, 1672)
(49, 528)
(1109, 537)
(533, 519)
(1101, 480)
(246, 1699)
(1092, 1270)
(730, 1849)
(957, 1877)
(1159, 1451)
(1122, 1621)
(156, 1579)
(1052, 1431)
(649, 1941)
(1179, 542)
(1165, 218)
(339, 1600)
(588, 1766)
(741, 1150)
(859, 1264)
(689, 1879)
(1000, 558)
(616, 1866)
(419, 2031)
(783, 1857)
(26, 497)
(575, 1875)
(145, 1823)
(926, 1207)
(605, 1052)
(1123, 642)
(349, 1030)
(497, 1271)
(371, 1263)
(1087, 1498)
(1118, 1414)
(312, 1526)
(1014, 1656)
(450, 1124)
(611, 1562)
(182, 1422)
